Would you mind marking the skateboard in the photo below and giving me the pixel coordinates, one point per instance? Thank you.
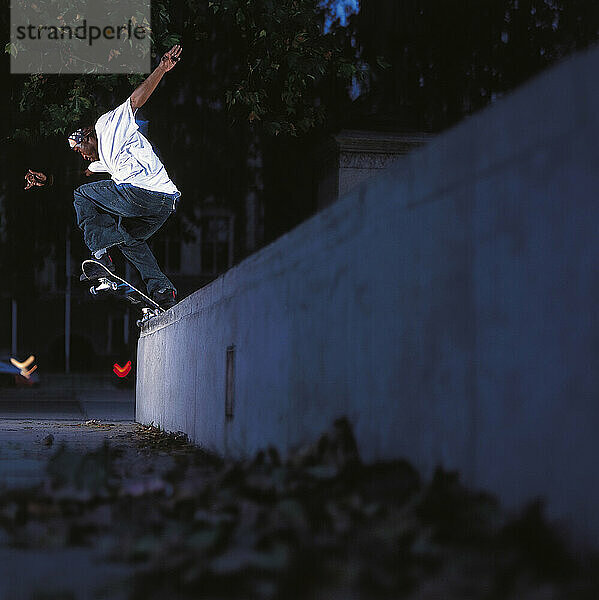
(108, 282)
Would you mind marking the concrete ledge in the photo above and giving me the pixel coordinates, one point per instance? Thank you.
(448, 308)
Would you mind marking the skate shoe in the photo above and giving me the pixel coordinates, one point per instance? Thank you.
(165, 298)
(103, 260)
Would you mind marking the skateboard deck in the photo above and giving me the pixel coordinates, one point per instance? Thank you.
(107, 282)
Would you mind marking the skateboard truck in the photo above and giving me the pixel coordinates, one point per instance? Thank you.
(104, 286)
(147, 314)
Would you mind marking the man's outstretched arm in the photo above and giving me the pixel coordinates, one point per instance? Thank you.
(145, 89)
(38, 179)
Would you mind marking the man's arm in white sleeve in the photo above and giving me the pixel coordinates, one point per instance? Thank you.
(145, 89)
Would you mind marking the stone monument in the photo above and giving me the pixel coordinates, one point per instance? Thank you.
(352, 156)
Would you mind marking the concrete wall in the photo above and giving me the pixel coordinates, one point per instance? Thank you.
(450, 308)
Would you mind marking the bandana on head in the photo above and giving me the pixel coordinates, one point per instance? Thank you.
(76, 138)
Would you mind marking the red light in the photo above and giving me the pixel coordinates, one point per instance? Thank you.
(122, 371)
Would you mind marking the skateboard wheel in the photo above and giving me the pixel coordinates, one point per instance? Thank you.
(93, 291)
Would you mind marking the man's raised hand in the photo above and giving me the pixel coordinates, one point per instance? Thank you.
(170, 59)
(144, 90)
(34, 179)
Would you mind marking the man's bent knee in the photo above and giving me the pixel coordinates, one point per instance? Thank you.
(79, 201)
(78, 194)
(84, 207)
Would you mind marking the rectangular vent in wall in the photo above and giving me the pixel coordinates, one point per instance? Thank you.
(230, 384)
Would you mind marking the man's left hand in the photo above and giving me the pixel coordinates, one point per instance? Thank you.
(34, 179)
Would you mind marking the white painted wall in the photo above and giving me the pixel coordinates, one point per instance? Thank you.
(448, 308)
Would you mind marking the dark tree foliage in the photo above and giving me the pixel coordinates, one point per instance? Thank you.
(271, 53)
(451, 58)
(431, 63)
(285, 55)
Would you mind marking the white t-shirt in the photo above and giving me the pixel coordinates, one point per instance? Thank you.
(127, 155)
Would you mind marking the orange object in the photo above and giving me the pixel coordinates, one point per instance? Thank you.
(22, 365)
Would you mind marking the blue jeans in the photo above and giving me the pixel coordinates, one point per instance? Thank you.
(124, 216)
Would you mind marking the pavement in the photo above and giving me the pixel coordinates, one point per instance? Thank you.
(26, 446)
(100, 509)
(82, 412)
(77, 396)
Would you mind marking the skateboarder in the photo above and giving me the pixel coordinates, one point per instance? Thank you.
(127, 209)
